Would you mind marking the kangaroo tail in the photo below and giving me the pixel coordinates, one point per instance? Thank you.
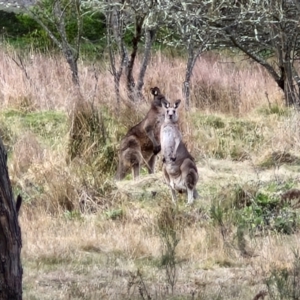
(191, 179)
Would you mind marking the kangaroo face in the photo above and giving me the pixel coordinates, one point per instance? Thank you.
(171, 115)
(158, 97)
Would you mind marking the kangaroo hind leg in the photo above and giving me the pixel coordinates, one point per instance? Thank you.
(151, 164)
(121, 171)
(133, 158)
(170, 184)
(190, 182)
(136, 161)
(190, 175)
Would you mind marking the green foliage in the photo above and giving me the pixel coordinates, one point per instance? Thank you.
(93, 26)
(260, 213)
(73, 215)
(274, 109)
(6, 135)
(45, 123)
(269, 212)
(114, 214)
(25, 32)
(48, 125)
(16, 25)
(217, 214)
(255, 208)
(284, 284)
(214, 122)
(37, 39)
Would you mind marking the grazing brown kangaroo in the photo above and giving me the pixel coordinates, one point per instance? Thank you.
(179, 166)
(142, 142)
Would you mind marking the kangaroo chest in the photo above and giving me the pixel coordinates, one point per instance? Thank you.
(168, 140)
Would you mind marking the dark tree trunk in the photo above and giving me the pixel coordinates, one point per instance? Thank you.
(129, 68)
(10, 237)
(284, 78)
(149, 39)
(193, 55)
(72, 61)
(188, 74)
(290, 93)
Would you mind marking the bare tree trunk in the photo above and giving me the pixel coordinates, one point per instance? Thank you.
(288, 86)
(114, 29)
(191, 61)
(290, 94)
(129, 67)
(149, 39)
(70, 52)
(10, 237)
(188, 74)
(72, 61)
(284, 78)
(297, 80)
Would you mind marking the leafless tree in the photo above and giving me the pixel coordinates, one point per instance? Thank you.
(10, 236)
(188, 19)
(138, 22)
(144, 19)
(54, 16)
(267, 31)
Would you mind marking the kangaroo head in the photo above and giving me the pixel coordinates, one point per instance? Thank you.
(155, 91)
(171, 115)
(158, 97)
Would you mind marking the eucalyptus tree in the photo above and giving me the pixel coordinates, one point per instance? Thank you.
(189, 20)
(62, 21)
(131, 25)
(267, 31)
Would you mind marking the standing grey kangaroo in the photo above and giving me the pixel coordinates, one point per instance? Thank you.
(141, 144)
(179, 166)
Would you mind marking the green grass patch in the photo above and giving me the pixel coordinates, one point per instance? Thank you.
(226, 137)
(274, 109)
(48, 125)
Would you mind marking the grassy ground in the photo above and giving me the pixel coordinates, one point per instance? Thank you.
(87, 237)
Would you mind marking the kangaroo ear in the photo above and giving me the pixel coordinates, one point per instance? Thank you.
(155, 91)
(166, 103)
(177, 102)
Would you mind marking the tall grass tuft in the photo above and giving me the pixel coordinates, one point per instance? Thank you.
(90, 138)
(168, 227)
(284, 283)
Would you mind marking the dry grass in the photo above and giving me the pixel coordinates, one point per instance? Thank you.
(46, 83)
(84, 237)
(219, 85)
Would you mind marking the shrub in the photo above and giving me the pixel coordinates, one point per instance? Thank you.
(169, 233)
(251, 207)
(278, 158)
(269, 212)
(285, 283)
